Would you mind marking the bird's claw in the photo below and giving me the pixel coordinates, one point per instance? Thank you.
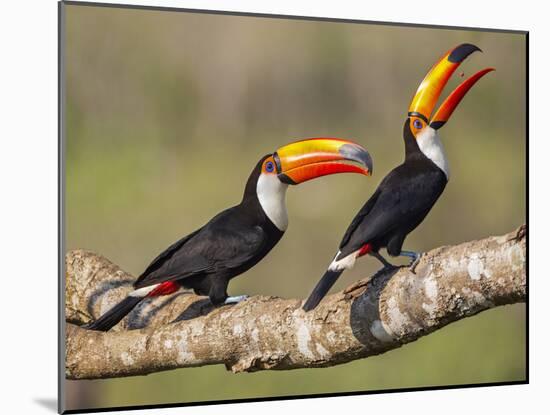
(414, 262)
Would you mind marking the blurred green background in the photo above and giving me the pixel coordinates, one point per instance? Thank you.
(167, 113)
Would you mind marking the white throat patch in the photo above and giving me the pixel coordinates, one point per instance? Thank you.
(271, 194)
(430, 144)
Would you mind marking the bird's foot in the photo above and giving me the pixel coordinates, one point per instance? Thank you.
(235, 299)
(415, 259)
(414, 263)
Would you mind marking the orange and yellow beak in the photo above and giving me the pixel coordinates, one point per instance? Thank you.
(427, 94)
(315, 157)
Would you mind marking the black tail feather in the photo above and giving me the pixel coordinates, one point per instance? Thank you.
(114, 315)
(321, 289)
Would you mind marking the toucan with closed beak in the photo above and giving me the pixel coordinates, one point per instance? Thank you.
(408, 192)
(237, 238)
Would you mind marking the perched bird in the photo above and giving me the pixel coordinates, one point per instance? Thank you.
(408, 192)
(237, 238)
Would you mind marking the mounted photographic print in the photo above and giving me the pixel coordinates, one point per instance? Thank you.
(272, 207)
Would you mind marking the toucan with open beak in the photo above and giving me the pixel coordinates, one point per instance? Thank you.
(237, 238)
(408, 192)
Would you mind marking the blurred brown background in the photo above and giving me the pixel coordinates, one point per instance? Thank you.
(167, 113)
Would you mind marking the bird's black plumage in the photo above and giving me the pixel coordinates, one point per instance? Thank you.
(205, 260)
(399, 204)
(229, 244)
(408, 192)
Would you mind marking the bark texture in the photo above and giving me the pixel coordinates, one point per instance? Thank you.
(372, 316)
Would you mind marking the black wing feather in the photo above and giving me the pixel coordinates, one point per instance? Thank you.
(405, 197)
(360, 216)
(222, 245)
(164, 256)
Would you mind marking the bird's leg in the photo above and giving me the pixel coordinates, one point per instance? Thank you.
(380, 258)
(414, 256)
(235, 299)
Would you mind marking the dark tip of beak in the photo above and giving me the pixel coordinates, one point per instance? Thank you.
(356, 153)
(461, 52)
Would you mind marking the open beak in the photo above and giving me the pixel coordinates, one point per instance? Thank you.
(315, 157)
(431, 87)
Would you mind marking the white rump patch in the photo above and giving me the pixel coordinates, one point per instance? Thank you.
(343, 263)
(430, 144)
(142, 292)
(271, 194)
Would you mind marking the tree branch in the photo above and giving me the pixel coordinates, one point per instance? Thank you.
(368, 318)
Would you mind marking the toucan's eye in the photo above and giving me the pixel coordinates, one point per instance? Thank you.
(417, 124)
(269, 167)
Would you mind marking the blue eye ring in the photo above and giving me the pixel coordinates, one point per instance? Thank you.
(417, 124)
(269, 166)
